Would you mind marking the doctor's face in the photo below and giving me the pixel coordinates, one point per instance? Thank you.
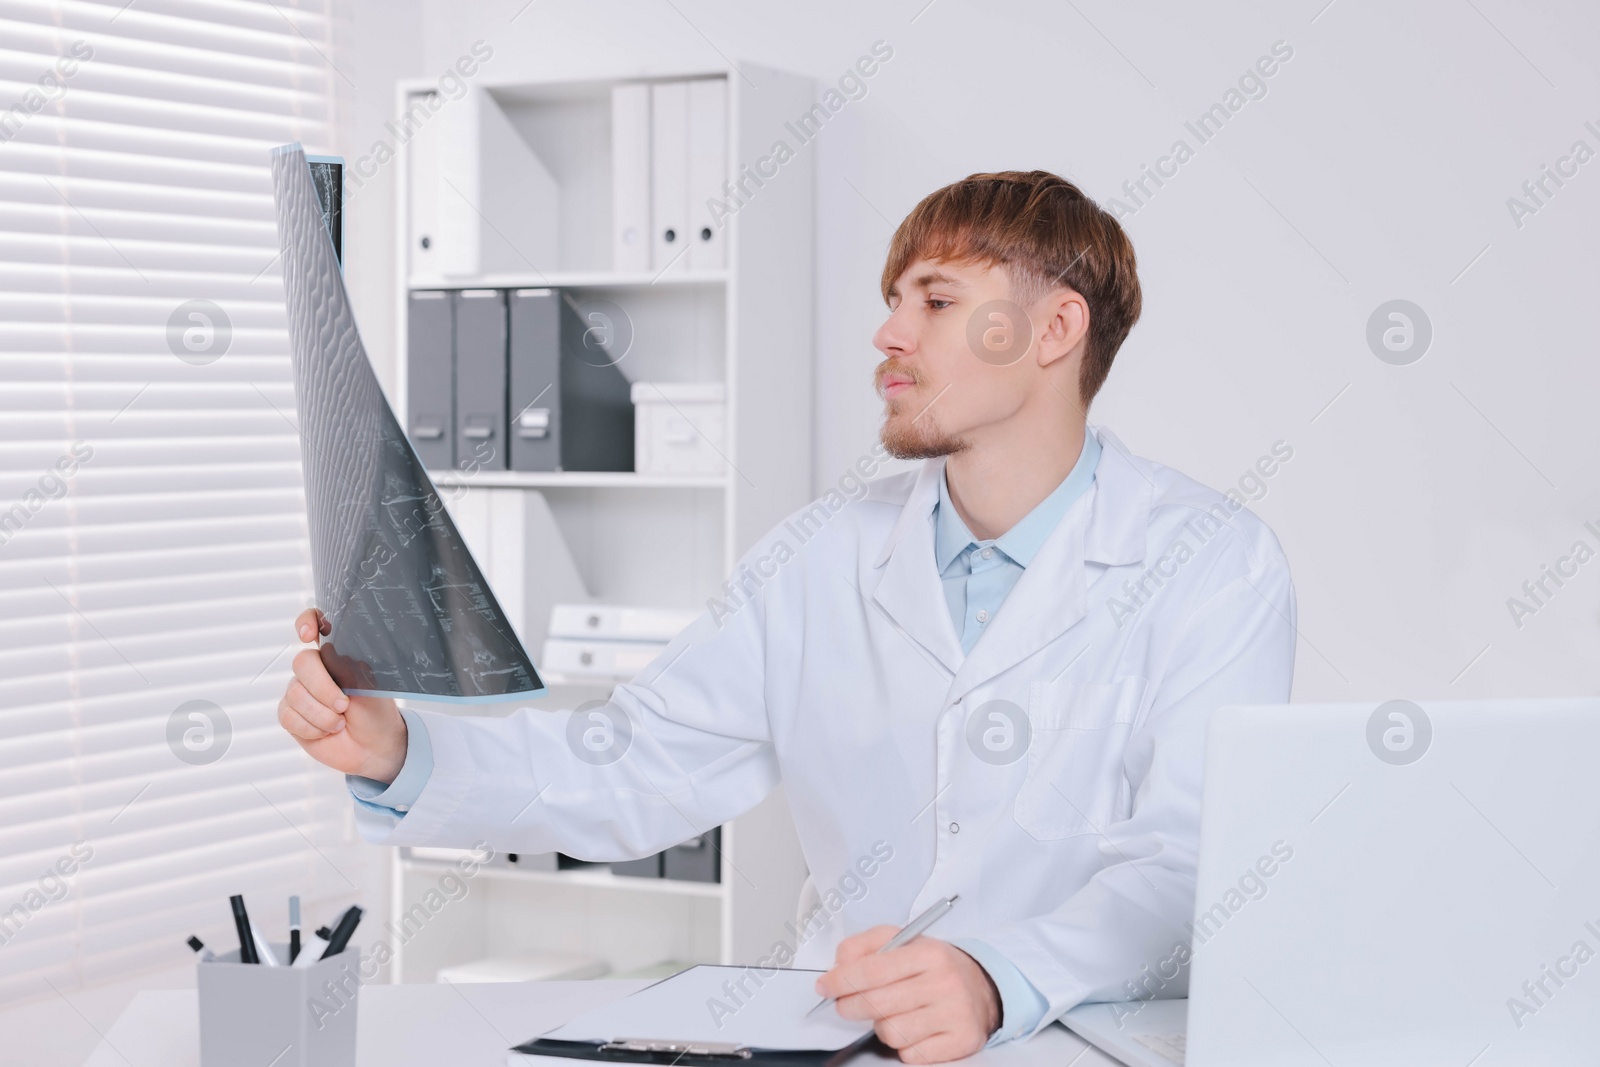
(955, 358)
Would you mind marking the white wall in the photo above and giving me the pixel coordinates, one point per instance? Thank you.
(1376, 167)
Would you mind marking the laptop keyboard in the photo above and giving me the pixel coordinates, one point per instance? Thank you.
(1170, 1046)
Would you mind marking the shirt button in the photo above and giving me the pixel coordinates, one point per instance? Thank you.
(983, 616)
(987, 553)
(955, 828)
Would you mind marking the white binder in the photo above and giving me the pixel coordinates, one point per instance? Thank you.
(669, 177)
(515, 202)
(630, 177)
(617, 622)
(482, 197)
(708, 170)
(427, 253)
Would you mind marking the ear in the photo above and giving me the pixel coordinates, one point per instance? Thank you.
(1063, 320)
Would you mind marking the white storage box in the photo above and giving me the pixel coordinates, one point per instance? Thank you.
(543, 861)
(533, 967)
(616, 660)
(616, 622)
(680, 428)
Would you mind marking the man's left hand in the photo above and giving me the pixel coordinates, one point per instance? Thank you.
(928, 1000)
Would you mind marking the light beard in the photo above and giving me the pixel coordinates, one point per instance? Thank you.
(905, 439)
(909, 440)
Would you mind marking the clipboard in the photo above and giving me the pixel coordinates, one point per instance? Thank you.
(711, 1016)
(695, 1054)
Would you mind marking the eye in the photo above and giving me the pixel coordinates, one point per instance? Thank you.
(939, 303)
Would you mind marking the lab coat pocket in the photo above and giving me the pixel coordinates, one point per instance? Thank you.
(1075, 783)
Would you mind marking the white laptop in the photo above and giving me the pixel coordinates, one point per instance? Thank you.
(1434, 895)
(1151, 1034)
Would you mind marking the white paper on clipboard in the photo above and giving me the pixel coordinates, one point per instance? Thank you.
(738, 1005)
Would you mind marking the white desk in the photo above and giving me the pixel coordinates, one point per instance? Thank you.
(463, 1026)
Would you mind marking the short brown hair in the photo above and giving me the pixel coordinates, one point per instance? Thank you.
(1046, 233)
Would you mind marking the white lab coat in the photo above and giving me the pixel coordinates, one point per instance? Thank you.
(841, 674)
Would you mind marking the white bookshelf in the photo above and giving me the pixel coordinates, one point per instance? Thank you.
(655, 540)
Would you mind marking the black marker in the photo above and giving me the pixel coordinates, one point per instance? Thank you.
(241, 920)
(294, 928)
(342, 932)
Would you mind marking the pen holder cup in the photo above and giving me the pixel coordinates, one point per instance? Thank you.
(253, 1014)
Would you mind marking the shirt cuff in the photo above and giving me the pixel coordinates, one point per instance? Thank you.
(1022, 1006)
(396, 798)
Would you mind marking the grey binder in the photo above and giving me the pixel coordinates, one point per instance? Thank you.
(535, 380)
(480, 379)
(430, 372)
(570, 404)
(649, 867)
(698, 859)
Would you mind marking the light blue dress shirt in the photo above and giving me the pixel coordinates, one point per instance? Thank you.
(977, 576)
(397, 797)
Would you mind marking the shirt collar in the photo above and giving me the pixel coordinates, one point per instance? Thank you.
(1022, 542)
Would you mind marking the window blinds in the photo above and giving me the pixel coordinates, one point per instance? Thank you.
(152, 533)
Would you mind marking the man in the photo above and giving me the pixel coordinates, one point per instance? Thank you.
(989, 676)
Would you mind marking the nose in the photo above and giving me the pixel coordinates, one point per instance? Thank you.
(895, 338)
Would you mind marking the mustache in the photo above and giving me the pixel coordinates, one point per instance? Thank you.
(893, 366)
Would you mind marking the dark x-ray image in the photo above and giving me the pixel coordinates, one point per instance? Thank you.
(410, 610)
(327, 177)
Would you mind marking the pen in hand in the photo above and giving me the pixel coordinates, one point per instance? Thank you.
(914, 929)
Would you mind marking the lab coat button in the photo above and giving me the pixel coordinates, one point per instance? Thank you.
(955, 828)
(983, 616)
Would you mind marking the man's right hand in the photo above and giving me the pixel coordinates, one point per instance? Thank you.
(365, 736)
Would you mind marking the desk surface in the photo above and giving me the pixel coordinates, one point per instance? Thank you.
(463, 1026)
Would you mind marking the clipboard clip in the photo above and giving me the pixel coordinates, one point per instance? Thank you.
(724, 1049)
